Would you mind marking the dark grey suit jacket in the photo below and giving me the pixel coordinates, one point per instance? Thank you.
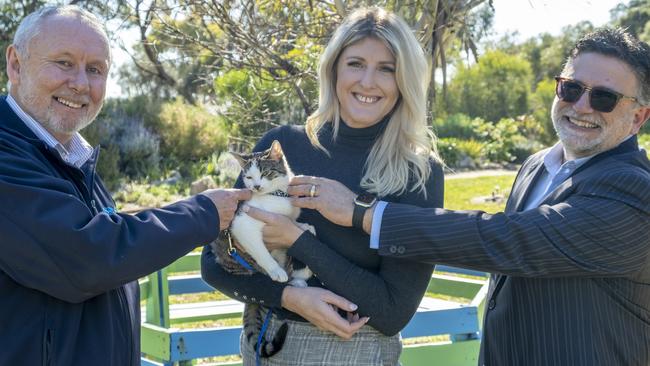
(571, 280)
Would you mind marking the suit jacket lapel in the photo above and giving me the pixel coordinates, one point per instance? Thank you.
(524, 184)
(521, 189)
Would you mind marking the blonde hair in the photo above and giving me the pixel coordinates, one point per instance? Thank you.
(403, 150)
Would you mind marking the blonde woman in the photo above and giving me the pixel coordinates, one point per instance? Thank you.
(370, 135)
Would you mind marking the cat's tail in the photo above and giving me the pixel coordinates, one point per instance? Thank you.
(253, 322)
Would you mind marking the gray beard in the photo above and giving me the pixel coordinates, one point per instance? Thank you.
(56, 125)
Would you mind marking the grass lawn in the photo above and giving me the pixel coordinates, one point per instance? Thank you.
(460, 192)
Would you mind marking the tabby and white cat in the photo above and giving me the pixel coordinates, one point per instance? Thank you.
(267, 174)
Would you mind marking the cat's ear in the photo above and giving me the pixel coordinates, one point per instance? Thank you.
(275, 152)
(241, 159)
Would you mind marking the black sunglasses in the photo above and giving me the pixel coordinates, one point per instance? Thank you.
(601, 99)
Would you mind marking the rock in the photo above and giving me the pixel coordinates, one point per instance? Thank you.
(202, 184)
(173, 179)
(466, 163)
(494, 198)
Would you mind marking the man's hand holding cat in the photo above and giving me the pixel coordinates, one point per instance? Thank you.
(226, 200)
(319, 307)
(330, 198)
(279, 231)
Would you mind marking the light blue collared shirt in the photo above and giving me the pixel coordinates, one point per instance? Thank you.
(78, 150)
(376, 224)
(555, 172)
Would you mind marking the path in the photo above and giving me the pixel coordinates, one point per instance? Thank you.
(479, 173)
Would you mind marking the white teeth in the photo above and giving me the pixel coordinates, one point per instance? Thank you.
(363, 99)
(583, 123)
(69, 103)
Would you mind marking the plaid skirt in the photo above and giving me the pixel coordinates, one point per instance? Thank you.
(307, 345)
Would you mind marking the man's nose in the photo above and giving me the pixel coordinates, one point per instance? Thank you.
(78, 81)
(583, 105)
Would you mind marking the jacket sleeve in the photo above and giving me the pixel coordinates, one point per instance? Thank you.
(52, 242)
(255, 288)
(391, 294)
(601, 230)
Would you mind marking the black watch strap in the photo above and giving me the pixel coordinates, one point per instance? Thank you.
(357, 216)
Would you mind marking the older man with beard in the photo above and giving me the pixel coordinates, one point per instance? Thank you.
(570, 256)
(69, 262)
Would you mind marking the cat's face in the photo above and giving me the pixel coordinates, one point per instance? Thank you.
(265, 171)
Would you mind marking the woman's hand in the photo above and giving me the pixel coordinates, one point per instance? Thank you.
(330, 198)
(319, 307)
(279, 231)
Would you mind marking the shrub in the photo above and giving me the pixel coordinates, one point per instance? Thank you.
(129, 149)
(504, 143)
(139, 148)
(139, 195)
(456, 125)
(448, 150)
(108, 165)
(472, 149)
(540, 102)
(189, 134)
(457, 153)
(644, 143)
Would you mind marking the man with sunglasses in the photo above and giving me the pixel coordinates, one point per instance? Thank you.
(570, 256)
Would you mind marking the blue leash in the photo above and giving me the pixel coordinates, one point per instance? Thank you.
(232, 251)
(265, 325)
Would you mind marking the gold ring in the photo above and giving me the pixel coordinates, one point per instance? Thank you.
(312, 191)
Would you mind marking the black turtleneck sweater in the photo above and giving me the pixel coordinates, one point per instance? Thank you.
(386, 289)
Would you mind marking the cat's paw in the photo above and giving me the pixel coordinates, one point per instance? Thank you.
(297, 282)
(307, 227)
(278, 274)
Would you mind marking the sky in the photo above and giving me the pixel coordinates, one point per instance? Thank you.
(533, 17)
(528, 17)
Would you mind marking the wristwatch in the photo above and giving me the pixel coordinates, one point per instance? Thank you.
(363, 202)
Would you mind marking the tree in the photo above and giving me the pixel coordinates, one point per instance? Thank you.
(494, 88)
(276, 43)
(635, 17)
(541, 101)
(11, 13)
(545, 53)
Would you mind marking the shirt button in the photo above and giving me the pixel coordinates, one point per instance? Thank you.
(492, 304)
(401, 249)
(392, 249)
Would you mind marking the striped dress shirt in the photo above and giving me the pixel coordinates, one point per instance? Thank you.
(78, 150)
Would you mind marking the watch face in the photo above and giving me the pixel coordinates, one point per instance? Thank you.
(365, 199)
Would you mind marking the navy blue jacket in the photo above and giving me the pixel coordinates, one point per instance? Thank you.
(68, 269)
